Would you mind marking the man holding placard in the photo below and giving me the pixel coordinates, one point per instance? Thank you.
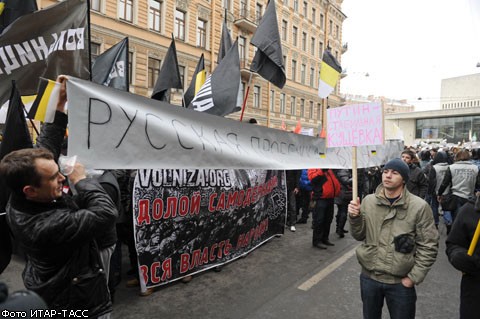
(400, 243)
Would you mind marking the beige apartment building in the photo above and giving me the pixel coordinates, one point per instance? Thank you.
(306, 28)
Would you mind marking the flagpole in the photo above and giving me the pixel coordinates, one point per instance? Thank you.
(246, 96)
(31, 121)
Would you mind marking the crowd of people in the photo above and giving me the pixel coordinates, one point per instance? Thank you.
(72, 237)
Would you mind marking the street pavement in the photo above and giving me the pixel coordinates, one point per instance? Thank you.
(284, 278)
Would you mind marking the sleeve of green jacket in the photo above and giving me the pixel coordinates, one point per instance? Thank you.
(426, 241)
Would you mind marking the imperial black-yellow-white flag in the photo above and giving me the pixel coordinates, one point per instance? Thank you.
(198, 79)
(45, 43)
(329, 73)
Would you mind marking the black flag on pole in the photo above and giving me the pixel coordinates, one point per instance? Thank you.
(169, 76)
(225, 42)
(45, 43)
(268, 60)
(111, 67)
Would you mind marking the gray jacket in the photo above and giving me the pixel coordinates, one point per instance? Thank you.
(463, 178)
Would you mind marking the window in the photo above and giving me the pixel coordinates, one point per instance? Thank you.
(312, 46)
(319, 111)
(304, 41)
(180, 24)
(305, 9)
(294, 70)
(295, 5)
(96, 5)
(272, 100)
(243, 9)
(181, 70)
(303, 69)
(320, 49)
(125, 10)
(155, 15)
(242, 90)
(312, 77)
(94, 51)
(241, 49)
(311, 110)
(330, 27)
(293, 105)
(285, 62)
(284, 30)
(322, 21)
(227, 4)
(302, 107)
(258, 12)
(337, 32)
(314, 16)
(201, 33)
(153, 71)
(294, 35)
(130, 67)
(282, 103)
(256, 96)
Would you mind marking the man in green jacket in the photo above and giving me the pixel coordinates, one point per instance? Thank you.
(400, 244)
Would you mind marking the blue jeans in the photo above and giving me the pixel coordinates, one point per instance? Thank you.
(400, 299)
(432, 200)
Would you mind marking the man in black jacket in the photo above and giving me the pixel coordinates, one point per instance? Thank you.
(458, 243)
(53, 228)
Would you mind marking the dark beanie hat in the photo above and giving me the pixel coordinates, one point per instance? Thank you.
(400, 166)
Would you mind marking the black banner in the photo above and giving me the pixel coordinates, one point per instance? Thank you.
(188, 221)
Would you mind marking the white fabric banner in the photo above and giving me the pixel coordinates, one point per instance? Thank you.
(111, 129)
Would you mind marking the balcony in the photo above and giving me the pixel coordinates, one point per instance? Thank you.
(246, 20)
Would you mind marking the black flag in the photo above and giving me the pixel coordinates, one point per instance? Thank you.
(225, 42)
(169, 75)
(45, 43)
(11, 10)
(15, 134)
(268, 60)
(111, 67)
(219, 93)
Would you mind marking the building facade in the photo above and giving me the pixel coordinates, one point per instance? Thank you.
(460, 92)
(307, 28)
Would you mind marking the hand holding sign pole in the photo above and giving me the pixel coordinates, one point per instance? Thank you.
(355, 125)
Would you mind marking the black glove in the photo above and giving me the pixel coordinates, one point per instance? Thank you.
(404, 243)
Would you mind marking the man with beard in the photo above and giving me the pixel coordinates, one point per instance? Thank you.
(400, 243)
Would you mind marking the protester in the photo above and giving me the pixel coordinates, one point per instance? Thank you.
(400, 243)
(305, 195)
(417, 181)
(325, 188)
(293, 189)
(57, 231)
(435, 179)
(463, 178)
(458, 243)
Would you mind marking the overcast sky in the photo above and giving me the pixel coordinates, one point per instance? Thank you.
(407, 47)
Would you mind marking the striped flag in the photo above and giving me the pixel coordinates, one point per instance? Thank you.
(329, 74)
(198, 79)
(45, 104)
